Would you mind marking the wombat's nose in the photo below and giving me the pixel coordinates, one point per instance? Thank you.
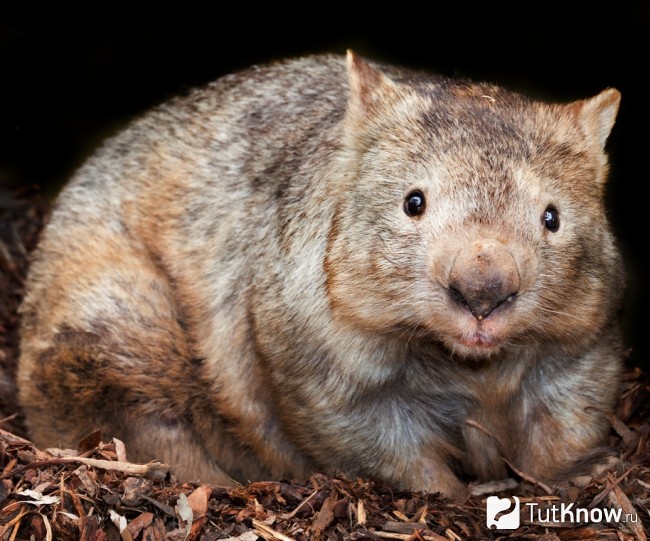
(483, 277)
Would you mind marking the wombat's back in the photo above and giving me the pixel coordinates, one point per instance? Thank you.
(197, 181)
(154, 244)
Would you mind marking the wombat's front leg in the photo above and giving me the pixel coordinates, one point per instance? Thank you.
(561, 446)
(430, 472)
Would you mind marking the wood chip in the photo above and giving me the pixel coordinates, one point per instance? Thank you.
(618, 499)
(361, 513)
(269, 533)
(324, 518)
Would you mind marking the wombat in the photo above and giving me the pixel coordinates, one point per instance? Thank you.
(335, 265)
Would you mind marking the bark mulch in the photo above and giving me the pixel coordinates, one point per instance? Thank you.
(95, 493)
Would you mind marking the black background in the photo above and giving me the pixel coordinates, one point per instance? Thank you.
(70, 77)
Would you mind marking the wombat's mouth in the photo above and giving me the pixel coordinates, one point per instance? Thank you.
(479, 339)
(476, 346)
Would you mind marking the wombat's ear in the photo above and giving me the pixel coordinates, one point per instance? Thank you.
(597, 114)
(370, 91)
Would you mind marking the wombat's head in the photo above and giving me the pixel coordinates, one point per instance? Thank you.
(472, 215)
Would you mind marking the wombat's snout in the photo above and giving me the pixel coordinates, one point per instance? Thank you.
(483, 277)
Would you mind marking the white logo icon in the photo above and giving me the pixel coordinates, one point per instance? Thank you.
(507, 521)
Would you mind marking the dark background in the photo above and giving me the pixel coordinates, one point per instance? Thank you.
(69, 78)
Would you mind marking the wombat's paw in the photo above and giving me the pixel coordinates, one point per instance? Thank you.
(601, 468)
(433, 477)
(582, 474)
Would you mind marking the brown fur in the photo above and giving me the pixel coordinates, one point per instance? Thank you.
(232, 284)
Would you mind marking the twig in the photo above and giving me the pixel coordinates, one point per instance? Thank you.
(613, 484)
(493, 486)
(304, 502)
(389, 535)
(11, 438)
(8, 419)
(156, 469)
(505, 458)
(528, 478)
(264, 530)
(476, 424)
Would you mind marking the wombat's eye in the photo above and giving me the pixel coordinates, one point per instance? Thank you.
(414, 203)
(551, 219)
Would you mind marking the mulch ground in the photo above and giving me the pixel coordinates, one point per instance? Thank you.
(95, 493)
